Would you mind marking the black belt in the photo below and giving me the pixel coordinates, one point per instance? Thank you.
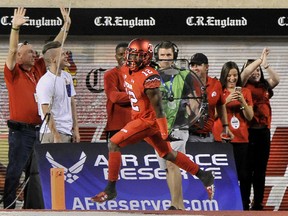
(258, 127)
(65, 134)
(21, 125)
(202, 135)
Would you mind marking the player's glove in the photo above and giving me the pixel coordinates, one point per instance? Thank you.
(163, 126)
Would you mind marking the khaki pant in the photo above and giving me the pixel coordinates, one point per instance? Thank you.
(49, 138)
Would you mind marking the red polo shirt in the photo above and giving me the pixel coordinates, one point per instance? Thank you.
(214, 97)
(261, 106)
(21, 87)
(238, 124)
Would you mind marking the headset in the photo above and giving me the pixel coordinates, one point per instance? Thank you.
(166, 45)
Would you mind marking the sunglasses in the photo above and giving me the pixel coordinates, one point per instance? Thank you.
(22, 44)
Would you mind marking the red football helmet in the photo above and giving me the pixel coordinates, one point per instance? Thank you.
(138, 54)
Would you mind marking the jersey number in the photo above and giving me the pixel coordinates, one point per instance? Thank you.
(133, 101)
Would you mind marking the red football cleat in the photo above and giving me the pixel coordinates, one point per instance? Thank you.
(211, 191)
(103, 196)
(208, 182)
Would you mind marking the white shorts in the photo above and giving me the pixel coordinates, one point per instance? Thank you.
(195, 138)
(176, 145)
(49, 138)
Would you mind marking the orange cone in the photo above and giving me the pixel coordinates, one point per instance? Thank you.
(57, 189)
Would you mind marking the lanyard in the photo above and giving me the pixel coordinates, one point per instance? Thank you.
(170, 93)
(33, 78)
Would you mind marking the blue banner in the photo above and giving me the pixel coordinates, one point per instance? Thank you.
(142, 185)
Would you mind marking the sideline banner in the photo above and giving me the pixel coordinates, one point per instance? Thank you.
(152, 21)
(142, 185)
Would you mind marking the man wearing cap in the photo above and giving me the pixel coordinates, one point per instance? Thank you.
(21, 73)
(55, 96)
(202, 131)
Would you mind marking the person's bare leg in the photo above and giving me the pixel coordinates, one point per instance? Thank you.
(174, 182)
(206, 177)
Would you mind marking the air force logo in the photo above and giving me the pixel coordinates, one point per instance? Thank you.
(70, 173)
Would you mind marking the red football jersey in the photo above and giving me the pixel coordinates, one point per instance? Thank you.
(135, 84)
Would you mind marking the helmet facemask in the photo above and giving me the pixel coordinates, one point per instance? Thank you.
(135, 60)
(138, 54)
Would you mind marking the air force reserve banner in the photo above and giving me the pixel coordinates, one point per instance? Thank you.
(142, 185)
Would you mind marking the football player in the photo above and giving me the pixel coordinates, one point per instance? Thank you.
(148, 123)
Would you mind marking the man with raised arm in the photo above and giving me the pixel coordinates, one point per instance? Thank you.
(22, 72)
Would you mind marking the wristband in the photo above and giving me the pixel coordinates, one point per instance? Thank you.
(225, 125)
(267, 66)
(15, 29)
(243, 107)
(163, 126)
